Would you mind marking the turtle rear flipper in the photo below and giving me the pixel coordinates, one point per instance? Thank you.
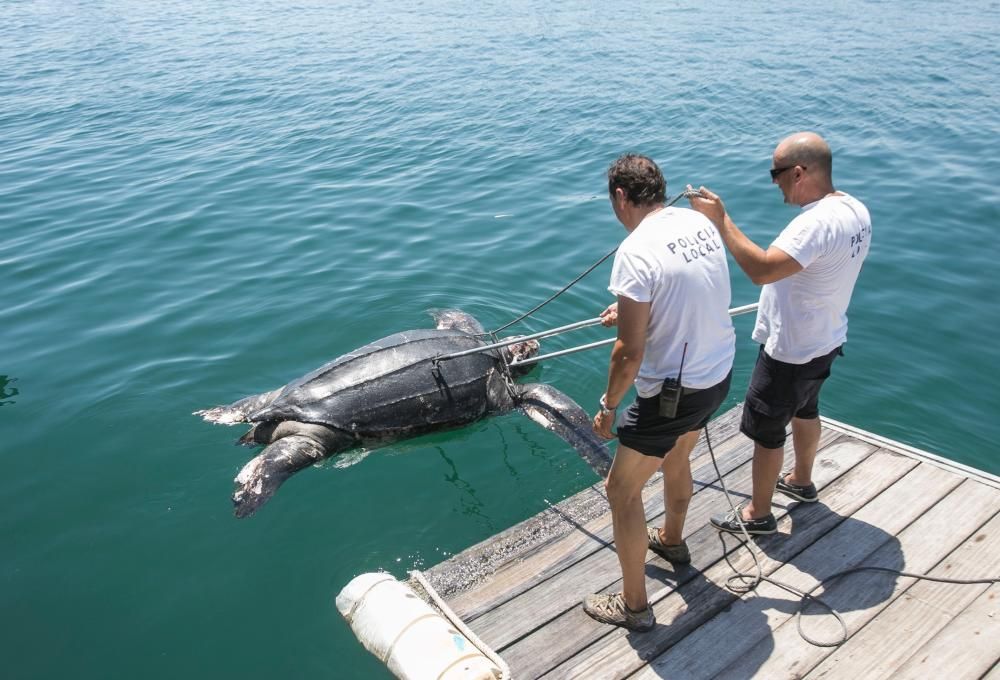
(238, 411)
(457, 319)
(259, 433)
(261, 477)
(556, 412)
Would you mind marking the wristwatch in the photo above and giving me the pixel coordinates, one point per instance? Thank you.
(605, 409)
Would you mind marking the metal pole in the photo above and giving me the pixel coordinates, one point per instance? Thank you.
(735, 311)
(514, 341)
(745, 309)
(571, 350)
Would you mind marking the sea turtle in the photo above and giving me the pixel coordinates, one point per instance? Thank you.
(392, 389)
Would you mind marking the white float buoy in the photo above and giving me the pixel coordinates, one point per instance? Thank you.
(407, 634)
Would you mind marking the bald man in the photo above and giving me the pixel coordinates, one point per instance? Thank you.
(808, 275)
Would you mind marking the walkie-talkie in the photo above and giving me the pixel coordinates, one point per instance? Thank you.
(670, 392)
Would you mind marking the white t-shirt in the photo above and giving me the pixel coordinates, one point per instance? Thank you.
(804, 316)
(676, 261)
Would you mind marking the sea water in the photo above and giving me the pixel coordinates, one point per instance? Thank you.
(201, 201)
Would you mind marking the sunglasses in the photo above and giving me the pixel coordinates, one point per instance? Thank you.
(775, 172)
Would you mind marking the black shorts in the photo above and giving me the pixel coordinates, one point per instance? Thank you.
(643, 429)
(778, 392)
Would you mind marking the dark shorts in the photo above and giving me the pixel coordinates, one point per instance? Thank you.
(779, 392)
(643, 429)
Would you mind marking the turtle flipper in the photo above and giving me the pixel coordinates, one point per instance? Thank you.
(261, 477)
(554, 411)
(457, 319)
(238, 411)
(259, 433)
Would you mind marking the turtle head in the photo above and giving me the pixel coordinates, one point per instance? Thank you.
(518, 352)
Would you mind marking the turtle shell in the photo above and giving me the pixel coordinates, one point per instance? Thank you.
(392, 386)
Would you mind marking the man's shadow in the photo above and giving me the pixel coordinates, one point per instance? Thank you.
(808, 549)
(854, 543)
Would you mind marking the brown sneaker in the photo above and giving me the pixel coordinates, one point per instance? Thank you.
(611, 608)
(678, 554)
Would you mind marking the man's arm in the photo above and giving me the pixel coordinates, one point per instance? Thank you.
(626, 357)
(762, 266)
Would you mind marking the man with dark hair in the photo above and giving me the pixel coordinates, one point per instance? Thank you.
(639, 178)
(808, 275)
(672, 281)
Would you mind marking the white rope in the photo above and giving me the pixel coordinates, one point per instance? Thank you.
(749, 581)
(460, 625)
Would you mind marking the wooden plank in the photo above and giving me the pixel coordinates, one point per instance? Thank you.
(519, 616)
(925, 456)
(550, 558)
(683, 612)
(993, 673)
(573, 634)
(968, 648)
(868, 537)
(860, 597)
(923, 611)
(525, 565)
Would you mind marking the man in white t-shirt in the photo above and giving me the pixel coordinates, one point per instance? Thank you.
(808, 275)
(671, 278)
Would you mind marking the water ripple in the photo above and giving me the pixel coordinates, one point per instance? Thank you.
(201, 201)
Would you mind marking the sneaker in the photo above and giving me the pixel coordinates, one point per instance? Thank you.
(730, 522)
(610, 608)
(806, 494)
(678, 554)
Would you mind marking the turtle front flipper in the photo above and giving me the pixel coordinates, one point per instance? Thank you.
(261, 477)
(556, 412)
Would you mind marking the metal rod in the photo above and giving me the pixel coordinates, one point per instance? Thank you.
(515, 340)
(745, 309)
(735, 311)
(571, 350)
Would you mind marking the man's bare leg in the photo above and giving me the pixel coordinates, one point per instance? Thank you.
(629, 473)
(805, 439)
(766, 468)
(678, 488)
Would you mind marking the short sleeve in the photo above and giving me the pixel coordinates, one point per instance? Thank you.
(631, 277)
(802, 239)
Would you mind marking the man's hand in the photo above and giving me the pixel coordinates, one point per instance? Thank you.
(632, 319)
(603, 424)
(609, 317)
(709, 205)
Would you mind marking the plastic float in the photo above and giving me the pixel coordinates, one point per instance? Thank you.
(409, 636)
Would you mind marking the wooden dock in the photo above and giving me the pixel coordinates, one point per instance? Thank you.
(881, 503)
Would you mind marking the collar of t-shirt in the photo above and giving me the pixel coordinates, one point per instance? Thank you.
(835, 194)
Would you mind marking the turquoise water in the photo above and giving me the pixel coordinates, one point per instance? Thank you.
(204, 202)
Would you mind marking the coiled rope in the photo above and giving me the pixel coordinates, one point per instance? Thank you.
(744, 582)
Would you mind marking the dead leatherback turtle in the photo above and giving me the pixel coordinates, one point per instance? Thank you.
(390, 390)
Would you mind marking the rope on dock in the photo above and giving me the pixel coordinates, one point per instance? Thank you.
(743, 582)
(460, 625)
